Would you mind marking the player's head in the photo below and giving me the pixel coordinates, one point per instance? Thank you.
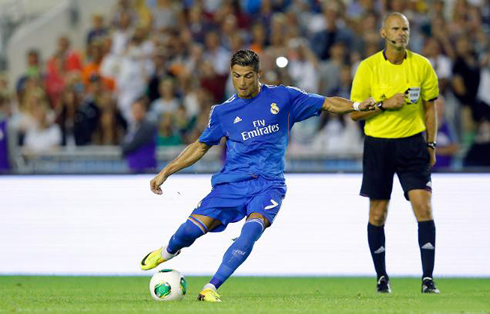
(395, 30)
(245, 73)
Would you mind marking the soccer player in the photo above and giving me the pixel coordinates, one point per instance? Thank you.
(255, 122)
(405, 86)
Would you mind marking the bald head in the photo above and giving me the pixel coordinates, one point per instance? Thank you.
(396, 30)
(391, 15)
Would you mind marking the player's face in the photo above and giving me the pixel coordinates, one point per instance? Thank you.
(245, 80)
(396, 29)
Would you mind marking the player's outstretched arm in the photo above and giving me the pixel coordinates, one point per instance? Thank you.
(187, 157)
(341, 105)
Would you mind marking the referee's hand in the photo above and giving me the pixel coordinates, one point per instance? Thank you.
(368, 105)
(395, 102)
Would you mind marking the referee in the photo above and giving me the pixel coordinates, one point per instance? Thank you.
(405, 86)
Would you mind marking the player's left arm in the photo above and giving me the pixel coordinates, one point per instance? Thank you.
(431, 128)
(341, 105)
(430, 92)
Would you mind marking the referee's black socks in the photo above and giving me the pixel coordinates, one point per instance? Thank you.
(376, 239)
(427, 244)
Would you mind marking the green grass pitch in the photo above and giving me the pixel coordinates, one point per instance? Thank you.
(52, 294)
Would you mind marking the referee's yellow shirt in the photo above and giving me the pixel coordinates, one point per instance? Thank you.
(378, 78)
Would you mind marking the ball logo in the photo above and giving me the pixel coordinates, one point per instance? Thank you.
(274, 108)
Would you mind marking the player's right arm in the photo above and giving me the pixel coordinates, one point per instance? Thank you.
(190, 155)
(395, 102)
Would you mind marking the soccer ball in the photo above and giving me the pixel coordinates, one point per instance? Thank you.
(168, 285)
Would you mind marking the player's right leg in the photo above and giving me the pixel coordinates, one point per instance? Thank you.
(377, 184)
(378, 210)
(188, 232)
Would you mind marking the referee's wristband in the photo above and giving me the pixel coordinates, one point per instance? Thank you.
(356, 106)
(380, 106)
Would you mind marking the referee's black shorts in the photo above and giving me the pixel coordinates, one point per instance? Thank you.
(407, 157)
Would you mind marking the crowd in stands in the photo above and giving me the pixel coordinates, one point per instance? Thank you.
(151, 70)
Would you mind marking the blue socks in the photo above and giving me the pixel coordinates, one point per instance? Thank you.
(187, 233)
(427, 244)
(238, 252)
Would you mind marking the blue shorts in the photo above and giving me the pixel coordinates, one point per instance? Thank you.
(231, 202)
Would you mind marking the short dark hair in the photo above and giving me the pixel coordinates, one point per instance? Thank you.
(246, 57)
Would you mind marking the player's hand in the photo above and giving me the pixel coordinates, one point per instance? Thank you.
(395, 102)
(367, 105)
(156, 182)
(432, 154)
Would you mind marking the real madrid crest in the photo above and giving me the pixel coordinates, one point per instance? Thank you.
(274, 108)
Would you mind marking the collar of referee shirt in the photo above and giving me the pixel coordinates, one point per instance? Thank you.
(386, 58)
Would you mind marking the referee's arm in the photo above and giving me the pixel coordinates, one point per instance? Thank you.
(430, 120)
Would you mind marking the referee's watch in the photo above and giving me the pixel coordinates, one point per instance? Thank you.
(380, 106)
(432, 145)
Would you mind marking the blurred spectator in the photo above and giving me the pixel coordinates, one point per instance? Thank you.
(184, 124)
(167, 136)
(331, 31)
(92, 67)
(478, 155)
(43, 136)
(167, 102)
(7, 133)
(64, 61)
(111, 127)
(198, 26)
(212, 82)
(216, 54)
(465, 84)
(139, 145)
(447, 146)
(329, 73)
(122, 10)
(67, 119)
(258, 39)
(165, 14)
(135, 69)
(122, 34)
(98, 30)
(33, 70)
(484, 88)
(441, 64)
(303, 67)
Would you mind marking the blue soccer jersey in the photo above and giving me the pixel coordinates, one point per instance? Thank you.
(257, 131)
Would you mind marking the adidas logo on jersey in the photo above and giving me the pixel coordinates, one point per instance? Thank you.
(237, 119)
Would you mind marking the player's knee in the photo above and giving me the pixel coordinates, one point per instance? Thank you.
(264, 220)
(377, 218)
(190, 230)
(423, 213)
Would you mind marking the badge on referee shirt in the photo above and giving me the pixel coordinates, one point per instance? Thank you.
(414, 94)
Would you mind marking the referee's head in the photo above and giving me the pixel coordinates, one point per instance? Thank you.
(395, 30)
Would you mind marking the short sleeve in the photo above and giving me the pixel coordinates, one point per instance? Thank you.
(361, 86)
(213, 132)
(304, 105)
(430, 86)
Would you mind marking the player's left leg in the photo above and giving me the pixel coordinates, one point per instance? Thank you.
(422, 208)
(413, 170)
(236, 254)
